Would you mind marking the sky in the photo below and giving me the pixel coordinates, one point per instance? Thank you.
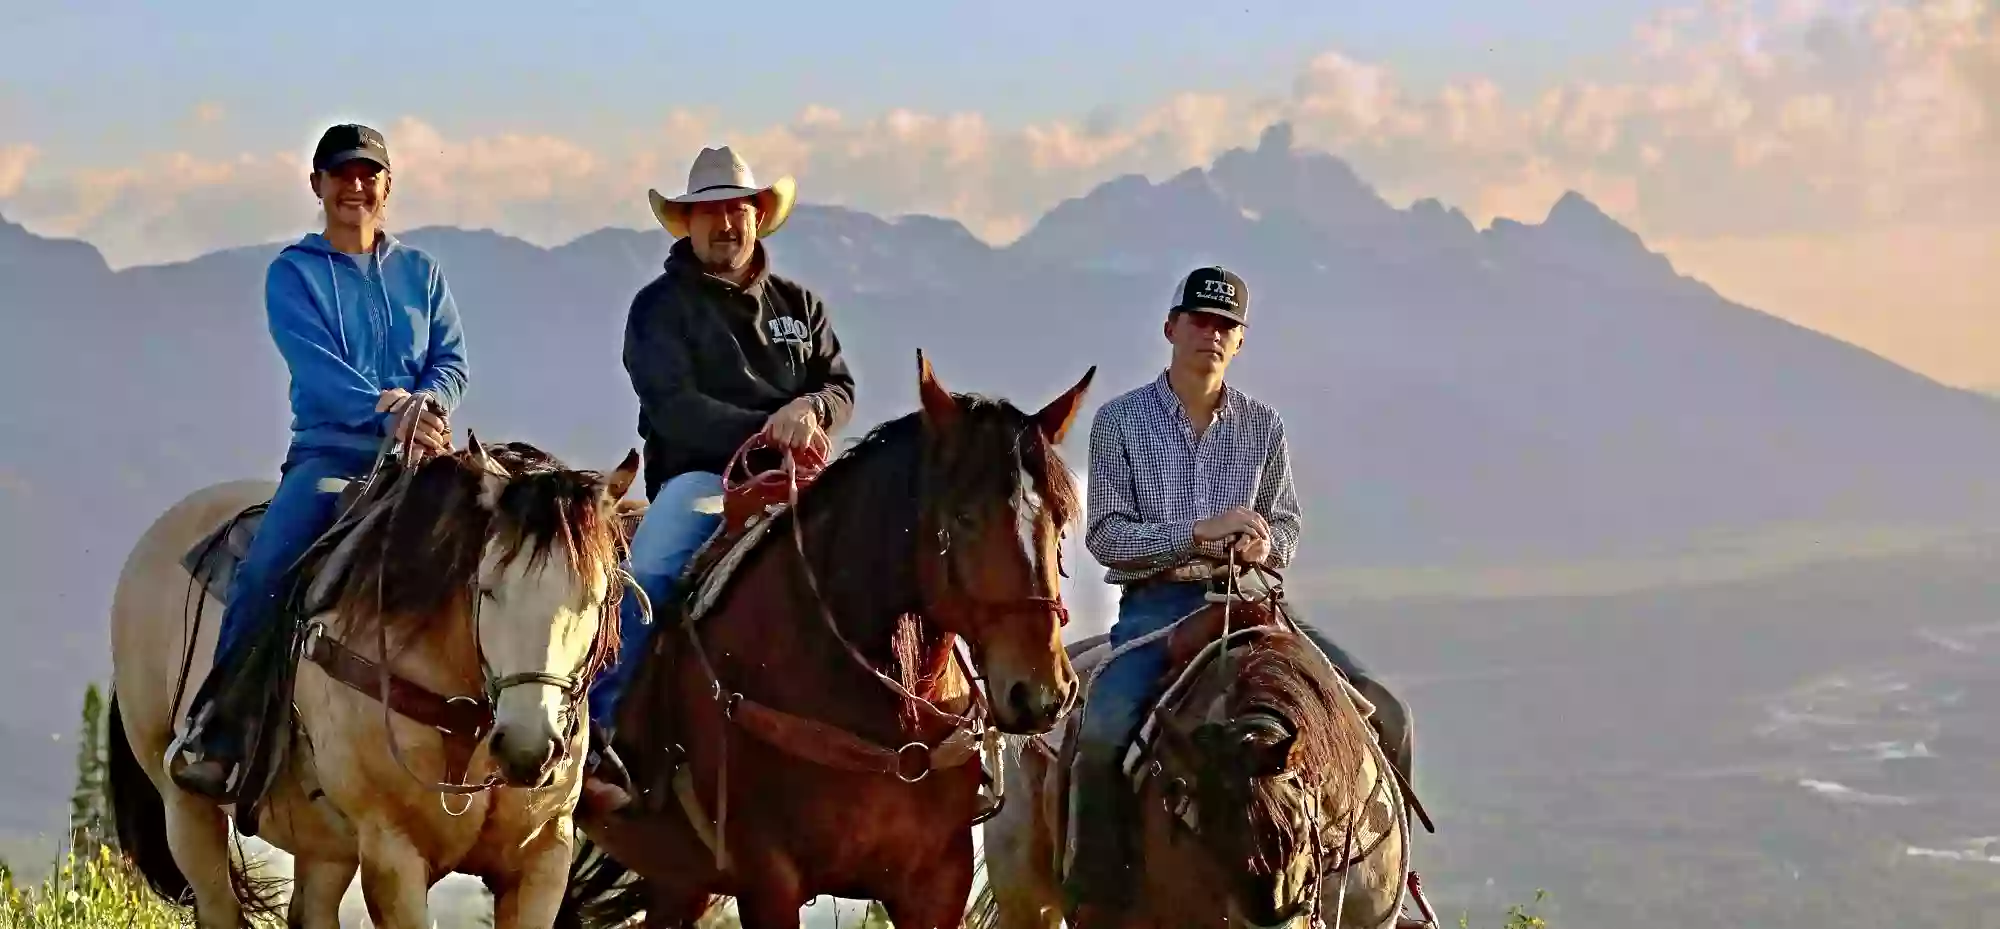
(1836, 162)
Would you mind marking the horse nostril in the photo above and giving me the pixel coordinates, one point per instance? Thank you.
(1017, 701)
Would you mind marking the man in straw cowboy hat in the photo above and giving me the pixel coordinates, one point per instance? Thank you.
(719, 349)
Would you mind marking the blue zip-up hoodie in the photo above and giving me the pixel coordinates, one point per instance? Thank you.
(347, 335)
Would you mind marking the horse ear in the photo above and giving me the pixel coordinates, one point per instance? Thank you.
(492, 476)
(940, 408)
(1055, 419)
(623, 475)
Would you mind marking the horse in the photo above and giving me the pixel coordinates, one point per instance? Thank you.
(811, 728)
(1263, 798)
(495, 575)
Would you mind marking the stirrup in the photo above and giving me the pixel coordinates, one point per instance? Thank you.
(178, 761)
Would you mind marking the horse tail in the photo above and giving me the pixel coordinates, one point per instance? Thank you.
(601, 891)
(260, 896)
(139, 816)
(139, 813)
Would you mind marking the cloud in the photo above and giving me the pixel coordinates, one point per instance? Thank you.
(208, 113)
(1803, 121)
(1813, 121)
(14, 162)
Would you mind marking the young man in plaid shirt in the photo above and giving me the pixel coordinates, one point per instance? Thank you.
(1181, 470)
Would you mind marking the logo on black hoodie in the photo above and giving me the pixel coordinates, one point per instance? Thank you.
(786, 330)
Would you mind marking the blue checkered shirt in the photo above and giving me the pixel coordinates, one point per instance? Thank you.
(1151, 481)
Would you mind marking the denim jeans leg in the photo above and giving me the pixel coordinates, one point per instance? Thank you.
(680, 518)
(1112, 713)
(299, 512)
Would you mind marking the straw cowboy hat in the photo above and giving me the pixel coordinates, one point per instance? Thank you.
(718, 174)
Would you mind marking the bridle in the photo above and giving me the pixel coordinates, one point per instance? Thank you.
(991, 609)
(792, 472)
(463, 721)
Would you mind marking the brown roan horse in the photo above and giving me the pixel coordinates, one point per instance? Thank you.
(1264, 801)
(824, 702)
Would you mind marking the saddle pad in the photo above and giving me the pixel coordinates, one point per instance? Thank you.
(716, 580)
(213, 560)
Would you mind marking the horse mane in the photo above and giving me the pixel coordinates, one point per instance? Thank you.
(861, 519)
(417, 564)
(1282, 674)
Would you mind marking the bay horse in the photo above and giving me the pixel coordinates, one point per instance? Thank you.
(495, 576)
(818, 691)
(1265, 800)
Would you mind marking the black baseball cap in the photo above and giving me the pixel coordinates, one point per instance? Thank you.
(346, 142)
(1215, 290)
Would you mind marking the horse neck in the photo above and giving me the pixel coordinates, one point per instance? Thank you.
(858, 533)
(438, 650)
(881, 621)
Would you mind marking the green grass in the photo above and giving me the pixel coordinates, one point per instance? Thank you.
(1518, 917)
(94, 889)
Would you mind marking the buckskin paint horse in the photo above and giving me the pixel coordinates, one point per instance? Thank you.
(818, 690)
(1264, 801)
(492, 573)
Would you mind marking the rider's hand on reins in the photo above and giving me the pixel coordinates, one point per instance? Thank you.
(420, 424)
(795, 426)
(1251, 549)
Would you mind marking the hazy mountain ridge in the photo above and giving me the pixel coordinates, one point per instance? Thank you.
(1530, 390)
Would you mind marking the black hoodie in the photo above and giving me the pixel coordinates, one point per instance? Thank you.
(711, 362)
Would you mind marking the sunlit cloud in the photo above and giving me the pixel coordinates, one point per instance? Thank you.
(14, 162)
(1807, 122)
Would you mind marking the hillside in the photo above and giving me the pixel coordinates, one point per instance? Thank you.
(1535, 390)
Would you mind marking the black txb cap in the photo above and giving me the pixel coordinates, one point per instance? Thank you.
(346, 142)
(1214, 290)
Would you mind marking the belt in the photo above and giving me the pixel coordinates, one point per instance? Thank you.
(1207, 572)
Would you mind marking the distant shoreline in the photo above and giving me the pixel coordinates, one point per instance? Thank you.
(1721, 560)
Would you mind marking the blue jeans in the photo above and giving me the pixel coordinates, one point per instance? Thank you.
(1117, 697)
(300, 512)
(1117, 701)
(673, 528)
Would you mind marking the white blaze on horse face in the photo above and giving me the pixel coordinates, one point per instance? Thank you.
(1028, 519)
(535, 620)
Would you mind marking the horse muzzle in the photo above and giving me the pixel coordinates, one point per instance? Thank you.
(526, 755)
(1030, 708)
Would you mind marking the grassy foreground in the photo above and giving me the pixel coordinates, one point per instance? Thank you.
(97, 889)
(93, 889)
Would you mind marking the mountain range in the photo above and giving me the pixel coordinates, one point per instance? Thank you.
(1454, 395)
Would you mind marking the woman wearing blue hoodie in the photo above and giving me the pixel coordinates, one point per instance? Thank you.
(368, 328)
